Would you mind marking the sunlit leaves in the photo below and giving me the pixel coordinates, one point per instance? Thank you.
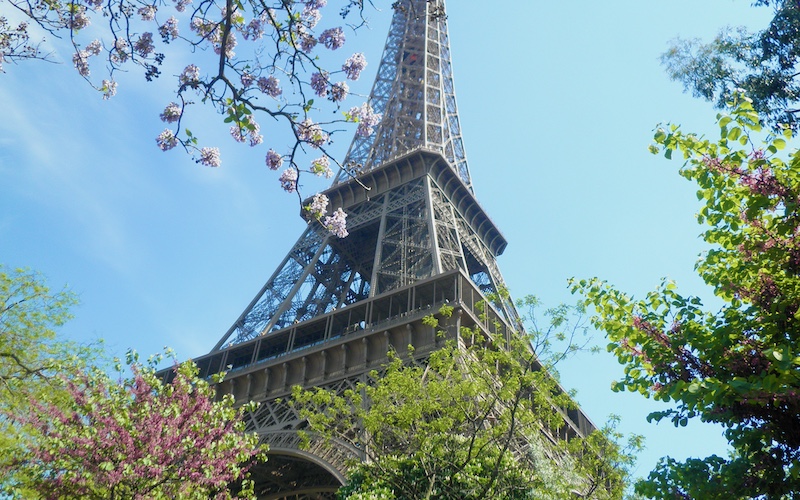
(733, 366)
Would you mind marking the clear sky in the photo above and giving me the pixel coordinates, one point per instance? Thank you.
(557, 101)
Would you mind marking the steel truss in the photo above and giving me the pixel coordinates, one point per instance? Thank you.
(418, 239)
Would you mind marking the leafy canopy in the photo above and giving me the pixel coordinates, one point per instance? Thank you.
(476, 418)
(139, 437)
(765, 64)
(740, 366)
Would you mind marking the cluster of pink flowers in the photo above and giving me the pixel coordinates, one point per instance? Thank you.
(274, 160)
(270, 86)
(319, 83)
(366, 117)
(78, 18)
(311, 14)
(332, 38)
(169, 30)
(144, 45)
(336, 223)
(148, 12)
(109, 89)
(230, 44)
(139, 438)
(308, 131)
(288, 180)
(94, 48)
(249, 129)
(318, 206)
(209, 157)
(180, 5)
(171, 113)
(190, 75)
(307, 42)
(121, 51)
(166, 140)
(339, 91)
(255, 28)
(81, 58)
(354, 65)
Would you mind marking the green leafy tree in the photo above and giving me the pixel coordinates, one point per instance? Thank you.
(31, 355)
(475, 419)
(137, 438)
(765, 64)
(740, 366)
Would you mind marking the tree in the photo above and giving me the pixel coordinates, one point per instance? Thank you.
(137, 438)
(738, 367)
(764, 64)
(277, 71)
(31, 356)
(474, 421)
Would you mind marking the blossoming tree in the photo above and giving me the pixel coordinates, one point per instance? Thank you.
(136, 438)
(244, 58)
(738, 367)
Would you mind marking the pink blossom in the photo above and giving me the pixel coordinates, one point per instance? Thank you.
(121, 52)
(180, 5)
(288, 180)
(169, 30)
(274, 160)
(109, 89)
(354, 65)
(144, 45)
(81, 62)
(166, 140)
(336, 223)
(318, 206)
(78, 19)
(311, 133)
(339, 91)
(249, 129)
(94, 48)
(148, 12)
(332, 38)
(209, 157)
(190, 75)
(307, 43)
(172, 113)
(366, 117)
(319, 83)
(270, 86)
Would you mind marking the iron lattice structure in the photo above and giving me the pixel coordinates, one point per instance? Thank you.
(418, 239)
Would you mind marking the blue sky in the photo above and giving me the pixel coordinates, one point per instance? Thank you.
(557, 101)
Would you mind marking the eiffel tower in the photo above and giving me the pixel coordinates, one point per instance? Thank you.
(418, 239)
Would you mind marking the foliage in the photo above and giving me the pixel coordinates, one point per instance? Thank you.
(468, 421)
(136, 438)
(765, 64)
(738, 367)
(278, 74)
(30, 353)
